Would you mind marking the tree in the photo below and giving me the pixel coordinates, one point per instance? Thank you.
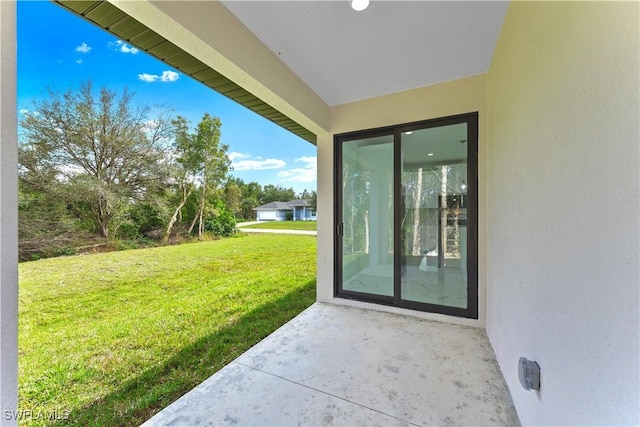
(304, 195)
(314, 200)
(276, 193)
(311, 196)
(104, 148)
(233, 198)
(209, 161)
(188, 164)
(251, 194)
(249, 197)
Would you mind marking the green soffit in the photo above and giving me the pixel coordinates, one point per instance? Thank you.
(115, 21)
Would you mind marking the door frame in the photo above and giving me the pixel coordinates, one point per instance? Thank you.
(471, 119)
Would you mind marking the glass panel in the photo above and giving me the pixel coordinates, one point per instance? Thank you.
(434, 216)
(367, 215)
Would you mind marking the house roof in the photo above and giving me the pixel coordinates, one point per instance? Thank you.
(279, 206)
(284, 205)
(298, 202)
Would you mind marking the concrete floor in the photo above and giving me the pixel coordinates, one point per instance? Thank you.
(337, 365)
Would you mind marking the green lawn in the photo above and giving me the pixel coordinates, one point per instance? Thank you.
(115, 337)
(285, 225)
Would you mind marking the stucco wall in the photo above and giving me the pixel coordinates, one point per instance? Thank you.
(445, 99)
(563, 191)
(8, 215)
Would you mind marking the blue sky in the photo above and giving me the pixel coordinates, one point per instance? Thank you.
(59, 50)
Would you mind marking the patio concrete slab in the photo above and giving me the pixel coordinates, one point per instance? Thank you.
(223, 400)
(337, 365)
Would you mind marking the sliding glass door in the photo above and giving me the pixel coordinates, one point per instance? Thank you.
(406, 215)
(367, 216)
(434, 215)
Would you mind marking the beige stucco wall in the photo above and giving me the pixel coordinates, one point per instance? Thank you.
(563, 187)
(445, 99)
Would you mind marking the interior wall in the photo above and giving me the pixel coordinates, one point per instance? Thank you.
(563, 241)
(444, 99)
(8, 215)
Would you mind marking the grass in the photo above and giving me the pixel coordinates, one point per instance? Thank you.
(112, 338)
(285, 225)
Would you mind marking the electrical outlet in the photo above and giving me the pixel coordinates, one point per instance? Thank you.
(529, 374)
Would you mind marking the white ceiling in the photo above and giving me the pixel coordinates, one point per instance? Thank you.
(345, 56)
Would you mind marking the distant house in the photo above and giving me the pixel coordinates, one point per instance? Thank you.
(299, 210)
(274, 211)
(302, 210)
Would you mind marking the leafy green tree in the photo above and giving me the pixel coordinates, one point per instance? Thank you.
(188, 165)
(106, 150)
(221, 221)
(305, 194)
(311, 196)
(314, 200)
(276, 193)
(251, 196)
(205, 159)
(233, 198)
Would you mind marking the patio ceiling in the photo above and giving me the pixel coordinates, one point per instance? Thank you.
(345, 56)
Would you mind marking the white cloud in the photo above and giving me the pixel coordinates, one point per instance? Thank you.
(256, 165)
(235, 155)
(307, 173)
(122, 47)
(24, 111)
(298, 175)
(83, 48)
(311, 161)
(169, 76)
(166, 77)
(148, 77)
(78, 61)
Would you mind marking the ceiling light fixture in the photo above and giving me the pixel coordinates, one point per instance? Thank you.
(429, 154)
(359, 5)
(408, 132)
(464, 185)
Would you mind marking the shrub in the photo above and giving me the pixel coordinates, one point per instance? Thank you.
(222, 224)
